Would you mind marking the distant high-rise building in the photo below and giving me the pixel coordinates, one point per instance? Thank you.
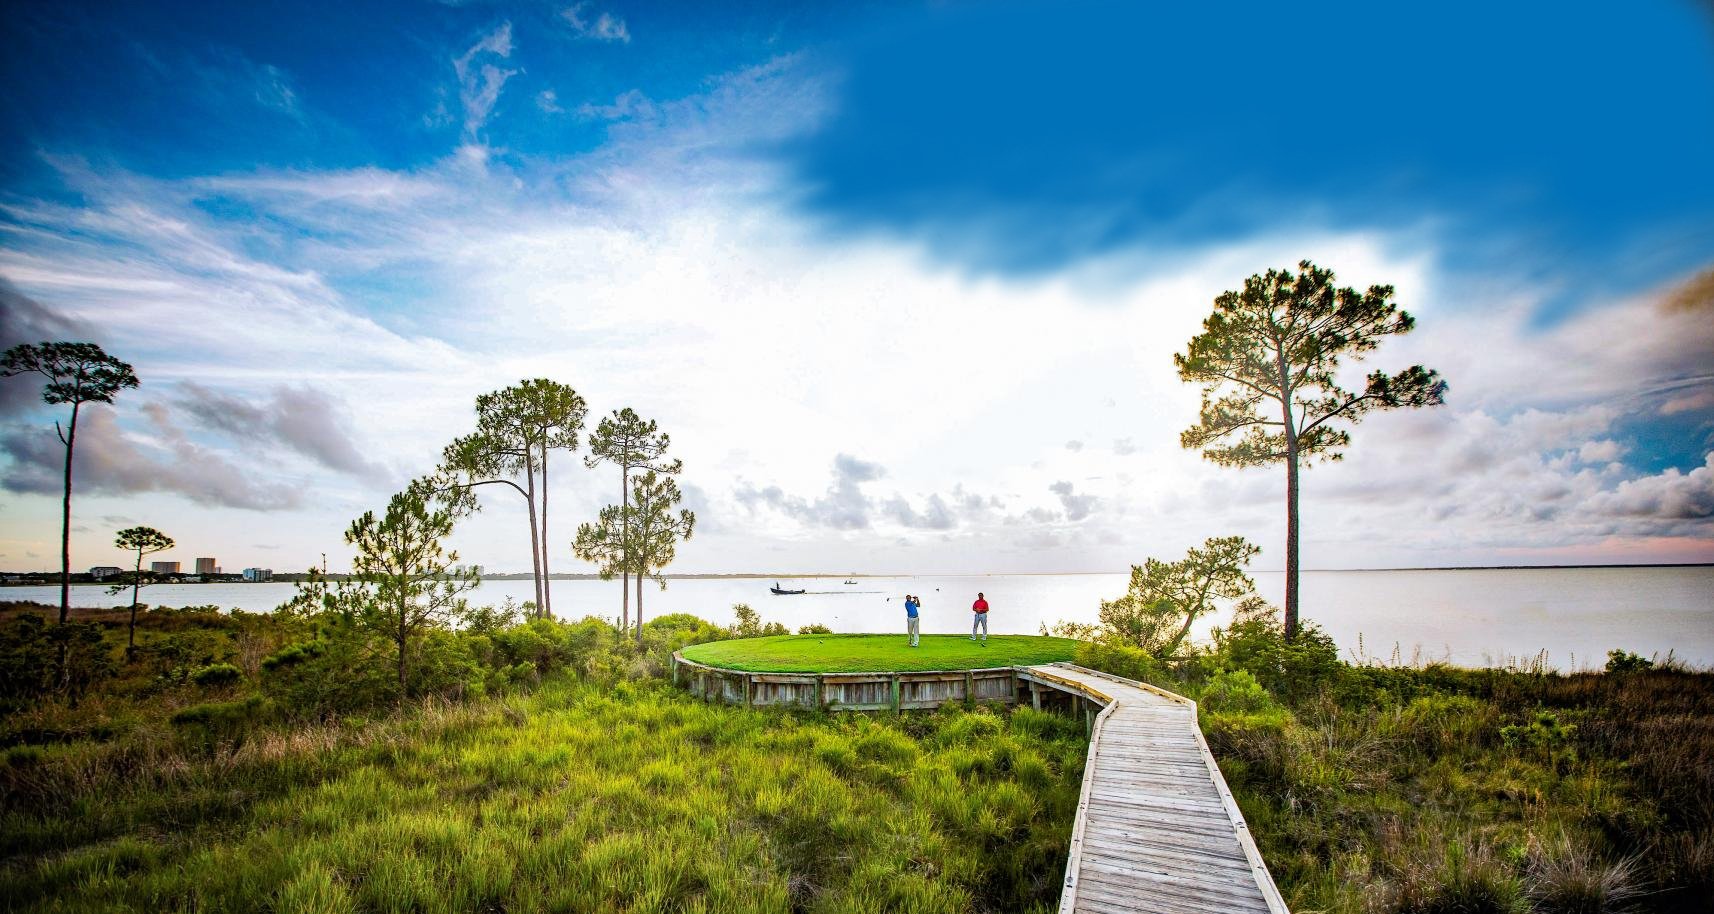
(258, 574)
(206, 566)
(164, 567)
(103, 572)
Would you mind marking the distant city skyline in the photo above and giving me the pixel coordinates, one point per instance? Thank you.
(902, 282)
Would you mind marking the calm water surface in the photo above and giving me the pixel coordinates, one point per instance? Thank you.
(1473, 618)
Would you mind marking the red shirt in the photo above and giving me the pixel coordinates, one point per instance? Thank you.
(980, 606)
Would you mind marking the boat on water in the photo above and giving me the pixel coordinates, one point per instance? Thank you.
(781, 592)
(850, 580)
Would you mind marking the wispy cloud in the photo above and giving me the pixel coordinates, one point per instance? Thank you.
(595, 25)
(632, 105)
(480, 80)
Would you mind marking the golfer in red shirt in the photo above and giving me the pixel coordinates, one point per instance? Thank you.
(980, 607)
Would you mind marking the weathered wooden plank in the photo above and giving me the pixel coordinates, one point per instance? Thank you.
(1190, 891)
(1204, 852)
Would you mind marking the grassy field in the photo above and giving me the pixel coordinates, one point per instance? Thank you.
(574, 798)
(883, 653)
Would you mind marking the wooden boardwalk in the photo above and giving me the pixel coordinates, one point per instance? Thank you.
(1157, 829)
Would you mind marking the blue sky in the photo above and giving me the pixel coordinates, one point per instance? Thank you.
(903, 279)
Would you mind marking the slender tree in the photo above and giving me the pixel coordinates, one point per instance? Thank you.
(1267, 358)
(143, 541)
(515, 429)
(628, 441)
(411, 582)
(602, 543)
(557, 414)
(1165, 598)
(77, 373)
(654, 531)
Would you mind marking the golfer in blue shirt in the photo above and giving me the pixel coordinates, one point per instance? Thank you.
(911, 620)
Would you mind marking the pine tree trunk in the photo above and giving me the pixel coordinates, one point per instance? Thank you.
(624, 552)
(1291, 539)
(547, 576)
(65, 524)
(639, 609)
(136, 581)
(1290, 428)
(535, 535)
(402, 640)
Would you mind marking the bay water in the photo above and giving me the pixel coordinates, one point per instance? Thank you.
(1469, 617)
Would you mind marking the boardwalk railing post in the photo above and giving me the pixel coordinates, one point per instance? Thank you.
(969, 688)
(820, 692)
(895, 693)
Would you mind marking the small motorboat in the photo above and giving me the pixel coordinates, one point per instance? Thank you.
(850, 581)
(780, 592)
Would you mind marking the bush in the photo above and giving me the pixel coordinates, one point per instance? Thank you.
(1621, 661)
(217, 675)
(814, 628)
(1293, 670)
(27, 660)
(219, 722)
(333, 675)
(1120, 660)
(1236, 690)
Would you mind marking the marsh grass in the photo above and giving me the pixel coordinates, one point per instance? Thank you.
(574, 798)
(1434, 789)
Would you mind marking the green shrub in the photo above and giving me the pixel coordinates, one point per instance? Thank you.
(1620, 661)
(217, 675)
(814, 628)
(219, 722)
(338, 673)
(1544, 731)
(1120, 660)
(27, 660)
(1235, 690)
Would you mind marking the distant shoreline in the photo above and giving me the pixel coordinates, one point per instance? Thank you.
(758, 576)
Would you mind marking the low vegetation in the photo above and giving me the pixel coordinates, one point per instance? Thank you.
(1420, 789)
(531, 766)
(829, 653)
(271, 762)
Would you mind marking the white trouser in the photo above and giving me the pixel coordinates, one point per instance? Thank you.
(912, 625)
(981, 622)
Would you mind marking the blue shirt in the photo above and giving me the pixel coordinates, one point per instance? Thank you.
(910, 609)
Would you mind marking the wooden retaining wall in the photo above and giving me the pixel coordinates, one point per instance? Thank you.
(847, 691)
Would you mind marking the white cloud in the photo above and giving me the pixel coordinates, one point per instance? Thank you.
(480, 81)
(668, 272)
(596, 25)
(1663, 497)
(631, 105)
